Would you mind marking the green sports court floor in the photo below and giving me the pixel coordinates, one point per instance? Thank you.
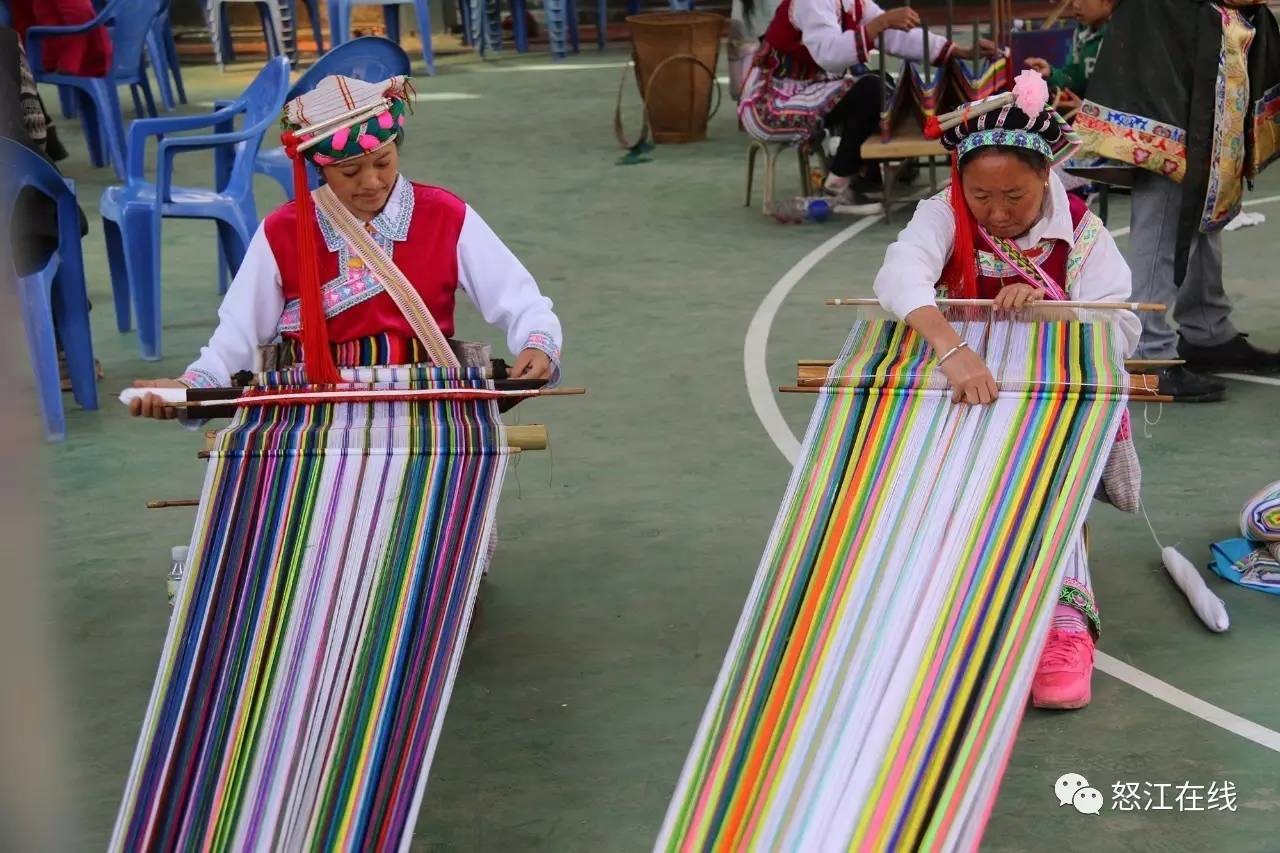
(626, 551)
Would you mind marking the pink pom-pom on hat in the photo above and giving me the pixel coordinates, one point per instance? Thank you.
(368, 142)
(1030, 92)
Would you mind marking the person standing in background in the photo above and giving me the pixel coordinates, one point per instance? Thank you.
(1173, 95)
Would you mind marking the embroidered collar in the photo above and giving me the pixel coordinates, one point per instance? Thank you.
(392, 223)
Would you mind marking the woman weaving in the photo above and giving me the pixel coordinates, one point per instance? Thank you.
(810, 74)
(386, 227)
(1007, 230)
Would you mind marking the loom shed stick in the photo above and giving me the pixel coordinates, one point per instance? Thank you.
(167, 504)
(988, 303)
(807, 369)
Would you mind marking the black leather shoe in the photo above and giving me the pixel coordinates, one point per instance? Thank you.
(1235, 354)
(1187, 387)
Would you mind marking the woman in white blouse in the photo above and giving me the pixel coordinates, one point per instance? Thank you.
(1007, 230)
(810, 74)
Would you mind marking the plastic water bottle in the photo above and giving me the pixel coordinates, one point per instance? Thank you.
(800, 209)
(178, 555)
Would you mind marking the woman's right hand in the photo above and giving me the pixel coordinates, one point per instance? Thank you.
(152, 406)
(901, 18)
(971, 381)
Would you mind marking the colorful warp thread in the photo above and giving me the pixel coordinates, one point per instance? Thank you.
(317, 634)
(981, 78)
(923, 90)
(873, 688)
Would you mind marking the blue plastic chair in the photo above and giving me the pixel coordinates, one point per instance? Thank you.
(162, 49)
(131, 213)
(313, 12)
(340, 23)
(55, 295)
(369, 58)
(129, 21)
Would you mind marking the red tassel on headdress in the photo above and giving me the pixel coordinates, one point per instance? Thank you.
(317, 357)
(961, 271)
(932, 130)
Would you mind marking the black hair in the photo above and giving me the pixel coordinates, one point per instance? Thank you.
(1033, 159)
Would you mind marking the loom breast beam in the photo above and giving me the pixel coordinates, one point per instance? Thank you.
(808, 370)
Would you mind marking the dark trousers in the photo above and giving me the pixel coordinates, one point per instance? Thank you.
(855, 118)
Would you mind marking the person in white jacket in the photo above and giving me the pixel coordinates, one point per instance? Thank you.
(810, 74)
(1007, 230)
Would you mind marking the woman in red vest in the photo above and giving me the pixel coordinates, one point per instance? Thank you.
(84, 54)
(1006, 229)
(437, 240)
(810, 74)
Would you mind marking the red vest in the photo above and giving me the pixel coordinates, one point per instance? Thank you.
(428, 258)
(788, 56)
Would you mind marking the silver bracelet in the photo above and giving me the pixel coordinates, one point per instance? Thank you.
(955, 349)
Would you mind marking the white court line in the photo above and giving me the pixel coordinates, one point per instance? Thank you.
(770, 416)
(1245, 377)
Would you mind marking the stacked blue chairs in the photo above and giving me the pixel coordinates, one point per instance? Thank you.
(130, 22)
(368, 58)
(53, 296)
(279, 27)
(162, 49)
(132, 213)
(340, 23)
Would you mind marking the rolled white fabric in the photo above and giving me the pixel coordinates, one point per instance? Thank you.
(169, 395)
(1210, 609)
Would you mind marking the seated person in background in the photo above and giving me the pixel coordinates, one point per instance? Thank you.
(810, 74)
(83, 54)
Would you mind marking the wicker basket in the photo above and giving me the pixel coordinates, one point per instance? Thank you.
(676, 55)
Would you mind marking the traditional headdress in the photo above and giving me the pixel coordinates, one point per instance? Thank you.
(340, 119)
(1021, 118)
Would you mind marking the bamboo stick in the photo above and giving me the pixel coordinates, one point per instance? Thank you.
(814, 389)
(374, 395)
(208, 454)
(987, 303)
(1057, 13)
(527, 436)
(167, 504)
(810, 369)
(322, 130)
(1140, 384)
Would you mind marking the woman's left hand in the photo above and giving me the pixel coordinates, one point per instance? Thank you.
(532, 364)
(1015, 296)
(986, 48)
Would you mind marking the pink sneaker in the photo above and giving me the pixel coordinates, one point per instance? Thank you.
(1065, 672)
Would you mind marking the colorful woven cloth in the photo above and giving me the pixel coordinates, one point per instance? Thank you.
(1253, 561)
(873, 687)
(317, 633)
